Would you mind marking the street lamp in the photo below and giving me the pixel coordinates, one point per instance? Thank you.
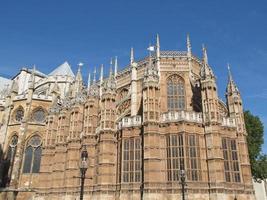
(83, 168)
(182, 175)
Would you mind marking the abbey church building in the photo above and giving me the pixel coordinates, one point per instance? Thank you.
(141, 127)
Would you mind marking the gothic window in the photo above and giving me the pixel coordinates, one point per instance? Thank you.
(131, 166)
(12, 150)
(175, 93)
(183, 154)
(231, 163)
(32, 155)
(19, 114)
(39, 115)
(193, 162)
(175, 156)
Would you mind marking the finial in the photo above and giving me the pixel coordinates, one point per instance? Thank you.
(229, 72)
(89, 81)
(205, 56)
(80, 64)
(94, 79)
(101, 73)
(188, 44)
(157, 47)
(116, 66)
(150, 49)
(110, 67)
(157, 42)
(132, 56)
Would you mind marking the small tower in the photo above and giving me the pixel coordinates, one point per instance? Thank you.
(153, 159)
(158, 54)
(116, 66)
(89, 81)
(78, 85)
(134, 102)
(234, 103)
(106, 145)
(208, 91)
(151, 92)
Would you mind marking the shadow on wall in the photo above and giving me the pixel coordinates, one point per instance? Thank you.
(4, 167)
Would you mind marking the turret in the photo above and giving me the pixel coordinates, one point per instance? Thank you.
(208, 91)
(89, 81)
(134, 102)
(101, 80)
(115, 66)
(107, 138)
(157, 53)
(234, 102)
(151, 92)
(78, 85)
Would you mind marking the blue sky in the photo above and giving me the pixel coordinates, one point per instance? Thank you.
(46, 33)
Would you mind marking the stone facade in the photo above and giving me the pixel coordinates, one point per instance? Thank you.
(141, 126)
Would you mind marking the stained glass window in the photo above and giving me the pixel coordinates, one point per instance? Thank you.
(39, 115)
(32, 155)
(231, 163)
(175, 93)
(131, 170)
(19, 115)
(183, 154)
(11, 153)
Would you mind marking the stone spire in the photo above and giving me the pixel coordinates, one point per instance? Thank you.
(94, 80)
(231, 86)
(151, 75)
(188, 44)
(206, 71)
(205, 55)
(89, 81)
(132, 56)
(110, 67)
(79, 74)
(158, 54)
(78, 80)
(115, 66)
(157, 47)
(93, 90)
(101, 73)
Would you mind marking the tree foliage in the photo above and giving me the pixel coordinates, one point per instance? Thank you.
(255, 141)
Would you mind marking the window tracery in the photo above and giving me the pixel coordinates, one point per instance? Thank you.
(175, 93)
(183, 154)
(231, 163)
(131, 169)
(32, 155)
(19, 114)
(38, 115)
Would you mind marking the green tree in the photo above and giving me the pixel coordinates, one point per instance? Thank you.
(255, 141)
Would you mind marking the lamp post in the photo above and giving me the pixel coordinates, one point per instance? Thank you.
(83, 168)
(182, 175)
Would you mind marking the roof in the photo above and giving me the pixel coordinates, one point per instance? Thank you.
(62, 70)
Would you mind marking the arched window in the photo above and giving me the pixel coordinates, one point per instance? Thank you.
(38, 115)
(19, 114)
(32, 155)
(175, 93)
(12, 148)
